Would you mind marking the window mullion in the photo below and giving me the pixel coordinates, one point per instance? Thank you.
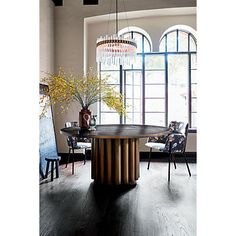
(99, 104)
(177, 40)
(143, 83)
(166, 88)
(121, 89)
(189, 91)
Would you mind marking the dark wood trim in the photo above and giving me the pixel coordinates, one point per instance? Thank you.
(58, 2)
(77, 156)
(163, 157)
(192, 131)
(156, 157)
(90, 2)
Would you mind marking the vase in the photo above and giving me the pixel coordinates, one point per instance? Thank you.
(84, 118)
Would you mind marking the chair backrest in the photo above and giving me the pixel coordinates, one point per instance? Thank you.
(71, 140)
(74, 140)
(177, 140)
(174, 126)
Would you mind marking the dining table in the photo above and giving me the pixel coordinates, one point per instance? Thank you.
(115, 150)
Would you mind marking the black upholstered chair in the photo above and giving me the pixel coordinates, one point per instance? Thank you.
(76, 143)
(173, 142)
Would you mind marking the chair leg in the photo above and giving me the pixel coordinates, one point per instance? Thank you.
(173, 158)
(47, 167)
(73, 161)
(85, 155)
(57, 169)
(52, 167)
(149, 159)
(187, 165)
(169, 168)
(68, 157)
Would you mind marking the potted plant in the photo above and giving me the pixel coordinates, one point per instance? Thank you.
(63, 88)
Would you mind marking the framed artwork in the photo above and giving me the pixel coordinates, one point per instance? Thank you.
(47, 139)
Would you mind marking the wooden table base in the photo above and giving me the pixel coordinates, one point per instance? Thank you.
(115, 161)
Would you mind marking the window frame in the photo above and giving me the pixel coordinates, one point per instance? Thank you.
(143, 70)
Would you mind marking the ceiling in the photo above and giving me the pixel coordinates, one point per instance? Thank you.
(108, 6)
(144, 13)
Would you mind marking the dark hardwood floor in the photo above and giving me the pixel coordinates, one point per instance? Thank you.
(72, 205)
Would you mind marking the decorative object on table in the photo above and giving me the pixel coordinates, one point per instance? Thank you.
(88, 89)
(93, 122)
(115, 49)
(84, 118)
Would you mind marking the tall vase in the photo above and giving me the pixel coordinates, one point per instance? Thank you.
(84, 118)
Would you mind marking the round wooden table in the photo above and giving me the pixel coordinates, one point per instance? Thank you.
(115, 151)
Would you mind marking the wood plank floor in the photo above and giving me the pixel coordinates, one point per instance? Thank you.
(71, 205)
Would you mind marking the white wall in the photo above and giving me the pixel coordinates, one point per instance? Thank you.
(70, 44)
(46, 36)
(155, 27)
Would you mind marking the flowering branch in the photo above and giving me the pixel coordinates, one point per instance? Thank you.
(87, 90)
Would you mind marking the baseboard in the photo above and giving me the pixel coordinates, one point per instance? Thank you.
(77, 157)
(156, 156)
(163, 157)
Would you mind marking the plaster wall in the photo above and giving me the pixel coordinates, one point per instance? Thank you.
(155, 27)
(74, 43)
(47, 52)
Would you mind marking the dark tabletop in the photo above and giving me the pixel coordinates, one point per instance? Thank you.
(117, 131)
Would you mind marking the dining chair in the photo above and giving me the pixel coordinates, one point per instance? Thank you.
(171, 143)
(158, 142)
(76, 143)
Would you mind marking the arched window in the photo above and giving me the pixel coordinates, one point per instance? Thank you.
(160, 86)
(178, 43)
(144, 43)
(128, 79)
(178, 38)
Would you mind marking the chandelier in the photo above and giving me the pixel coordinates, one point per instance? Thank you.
(115, 49)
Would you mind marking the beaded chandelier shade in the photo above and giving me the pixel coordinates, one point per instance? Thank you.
(115, 49)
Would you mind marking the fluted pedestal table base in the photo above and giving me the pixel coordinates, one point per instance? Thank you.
(115, 161)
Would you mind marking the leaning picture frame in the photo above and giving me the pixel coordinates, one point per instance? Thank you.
(47, 138)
